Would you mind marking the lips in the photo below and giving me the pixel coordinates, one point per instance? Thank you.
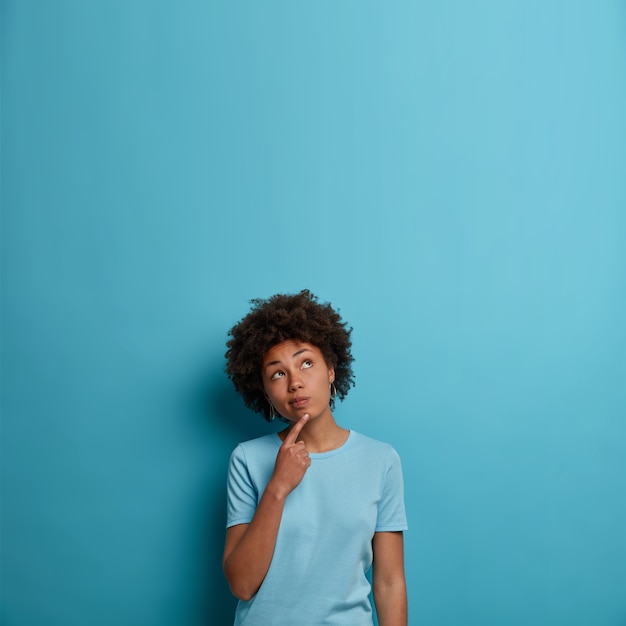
(298, 402)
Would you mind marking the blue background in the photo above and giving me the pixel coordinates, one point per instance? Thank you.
(450, 174)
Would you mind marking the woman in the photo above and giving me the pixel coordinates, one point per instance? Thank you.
(312, 507)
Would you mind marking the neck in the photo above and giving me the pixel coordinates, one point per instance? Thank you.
(321, 435)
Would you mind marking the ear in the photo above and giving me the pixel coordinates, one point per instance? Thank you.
(331, 375)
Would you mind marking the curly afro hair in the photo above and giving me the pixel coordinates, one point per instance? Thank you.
(280, 318)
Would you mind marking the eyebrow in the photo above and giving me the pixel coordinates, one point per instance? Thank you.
(295, 354)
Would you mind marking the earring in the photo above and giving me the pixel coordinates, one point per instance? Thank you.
(272, 412)
(333, 390)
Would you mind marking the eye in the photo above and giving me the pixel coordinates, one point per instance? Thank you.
(277, 375)
(306, 364)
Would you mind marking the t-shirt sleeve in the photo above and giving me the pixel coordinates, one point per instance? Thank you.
(391, 511)
(241, 494)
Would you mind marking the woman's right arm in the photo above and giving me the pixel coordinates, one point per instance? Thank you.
(249, 548)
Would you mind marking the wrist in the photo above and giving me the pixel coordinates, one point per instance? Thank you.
(276, 492)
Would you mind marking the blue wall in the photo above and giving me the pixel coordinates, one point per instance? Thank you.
(450, 174)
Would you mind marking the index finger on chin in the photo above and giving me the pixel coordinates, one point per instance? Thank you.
(292, 436)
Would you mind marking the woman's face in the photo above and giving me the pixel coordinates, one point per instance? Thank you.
(297, 379)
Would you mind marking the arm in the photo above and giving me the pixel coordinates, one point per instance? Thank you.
(249, 548)
(388, 581)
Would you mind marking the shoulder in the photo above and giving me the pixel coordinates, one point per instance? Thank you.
(374, 452)
(373, 446)
(255, 448)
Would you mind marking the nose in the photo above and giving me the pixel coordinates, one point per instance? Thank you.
(295, 383)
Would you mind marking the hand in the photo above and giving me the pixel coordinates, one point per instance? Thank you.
(292, 461)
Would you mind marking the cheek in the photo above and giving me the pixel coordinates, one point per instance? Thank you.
(273, 390)
(267, 388)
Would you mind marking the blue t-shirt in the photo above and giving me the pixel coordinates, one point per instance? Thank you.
(318, 574)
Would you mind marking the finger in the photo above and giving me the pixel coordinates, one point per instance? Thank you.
(298, 447)
(291, 437)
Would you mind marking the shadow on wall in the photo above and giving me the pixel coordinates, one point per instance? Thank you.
(224, 421)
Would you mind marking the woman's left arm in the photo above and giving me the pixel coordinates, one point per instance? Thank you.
(388, 581)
